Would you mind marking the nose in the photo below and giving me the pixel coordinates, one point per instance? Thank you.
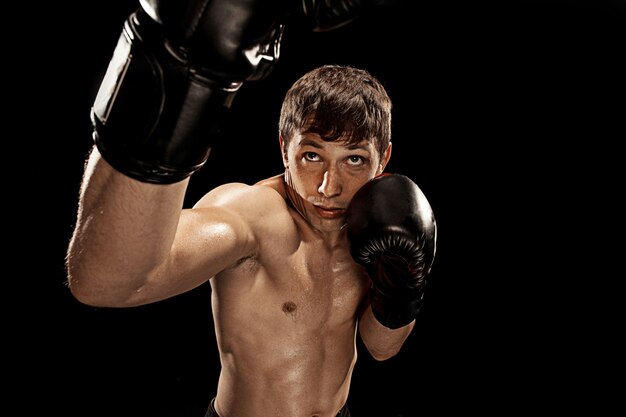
(331, 184)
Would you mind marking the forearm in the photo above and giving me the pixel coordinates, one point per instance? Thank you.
(381, 342)
(392, 233)
(124, 232)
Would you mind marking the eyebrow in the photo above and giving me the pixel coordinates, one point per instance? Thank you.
(314, 144)
(309, 142)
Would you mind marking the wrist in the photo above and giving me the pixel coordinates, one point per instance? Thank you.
(395, 312)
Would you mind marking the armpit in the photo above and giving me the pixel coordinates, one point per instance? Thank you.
(248, 264)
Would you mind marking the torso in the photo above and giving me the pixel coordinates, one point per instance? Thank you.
(285, 321)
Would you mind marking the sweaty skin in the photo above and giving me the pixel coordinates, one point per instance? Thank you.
(286, 317)
(286, 295)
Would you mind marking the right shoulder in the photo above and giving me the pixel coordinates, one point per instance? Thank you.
(231, 222)
(256, 213)
(262, 206)
(243, 198)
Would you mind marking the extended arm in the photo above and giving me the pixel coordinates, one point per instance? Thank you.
(174, 72)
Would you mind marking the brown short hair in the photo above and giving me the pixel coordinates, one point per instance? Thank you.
(338, 103)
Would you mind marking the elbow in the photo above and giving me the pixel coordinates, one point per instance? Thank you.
(382, 355)
(379, 350)
(93, 290)
(83, 294)
(89, 294)
(78, 286)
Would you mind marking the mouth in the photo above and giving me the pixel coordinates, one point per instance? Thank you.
(330, 212)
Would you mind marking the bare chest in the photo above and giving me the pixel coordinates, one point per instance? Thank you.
(318, 284)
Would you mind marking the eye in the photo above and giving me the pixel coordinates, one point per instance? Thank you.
(355, 160)
(311, 156)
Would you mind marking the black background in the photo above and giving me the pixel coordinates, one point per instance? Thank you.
(509, 118)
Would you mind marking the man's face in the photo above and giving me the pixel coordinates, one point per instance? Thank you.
(325, 176)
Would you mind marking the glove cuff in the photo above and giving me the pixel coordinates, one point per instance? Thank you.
(394, 313)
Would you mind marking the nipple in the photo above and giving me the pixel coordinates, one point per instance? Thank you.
(289, 307)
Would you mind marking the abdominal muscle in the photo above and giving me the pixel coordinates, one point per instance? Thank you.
(297, 379)
(287, 348)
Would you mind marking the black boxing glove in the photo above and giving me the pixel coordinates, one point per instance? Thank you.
(172, 78)
(393, 234)
(326, 15)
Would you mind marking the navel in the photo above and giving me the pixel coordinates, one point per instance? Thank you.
(289, 307)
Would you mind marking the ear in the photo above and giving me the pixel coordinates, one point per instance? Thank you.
(283, 150)
(384, 159)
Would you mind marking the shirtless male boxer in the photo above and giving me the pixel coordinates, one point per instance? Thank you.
(297, 263)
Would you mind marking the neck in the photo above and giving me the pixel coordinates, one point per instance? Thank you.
(293, 198)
